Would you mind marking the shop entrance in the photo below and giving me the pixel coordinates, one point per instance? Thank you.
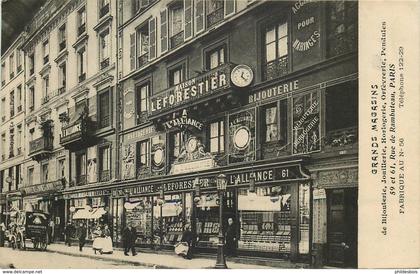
(342, 227)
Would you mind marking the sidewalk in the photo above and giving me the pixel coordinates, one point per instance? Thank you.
(152, 260)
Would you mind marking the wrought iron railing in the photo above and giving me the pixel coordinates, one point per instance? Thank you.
(215, 17)
(12, 74)
(62, 45)
(341, 137)
(142, 60)
(19, 151)
(276, 68)
(19, 68)
(31, 71)
(40, 144)
(104, 175)
(104, 63)
(81, 180)
(82, 77)
(46, 59)
(81, 29)
(177, 39)
(104, 10)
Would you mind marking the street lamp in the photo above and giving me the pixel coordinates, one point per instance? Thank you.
(161, 201)
(221, 184)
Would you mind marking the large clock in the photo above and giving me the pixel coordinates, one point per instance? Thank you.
(242, 76)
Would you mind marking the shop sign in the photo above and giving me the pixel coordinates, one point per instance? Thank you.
(338, 178)
(193, 166)
(242, 136)
(191, 90)
(274, 91)
(139, 134)
(319, 194)
(93, 193)
(267, 175)
(183, 122)
(40, 188)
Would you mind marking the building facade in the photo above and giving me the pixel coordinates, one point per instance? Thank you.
(134, 108)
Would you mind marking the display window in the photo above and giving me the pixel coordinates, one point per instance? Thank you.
(207, 222)
(139, 214)
(264, 217)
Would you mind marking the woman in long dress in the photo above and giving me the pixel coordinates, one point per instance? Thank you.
(107, 241)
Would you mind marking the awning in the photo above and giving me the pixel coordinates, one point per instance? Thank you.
(168, 210)
(97, 213)
(82, 214)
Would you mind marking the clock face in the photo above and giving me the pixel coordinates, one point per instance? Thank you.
(158, 156)
(242, 76)
(241, 138)
(191, 145)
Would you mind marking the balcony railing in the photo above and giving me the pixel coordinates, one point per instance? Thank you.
(19, 68)
(19, 108)
(82, 77)
(11, 154)
(19, 151)
(40, 145)
(45, 99)
(46, 59)
(104, 10)
(104, 175)
(105, 63)
(81, 180)
(12, 74)
(142, 60)
(31, 71)
(177, 39)
(276, 68)
(81, 29)
(61, 90)
(71, 132)
(62, 45)
(341, 137)
(12, 111)
(215, 17)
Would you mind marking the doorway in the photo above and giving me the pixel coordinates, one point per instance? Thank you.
(342, 227)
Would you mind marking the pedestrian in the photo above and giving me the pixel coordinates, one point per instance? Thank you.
(51, 227)
(129, 240)
(188, 237)
(68, 233)
(2, 234)
(230, 236)
(82, 233)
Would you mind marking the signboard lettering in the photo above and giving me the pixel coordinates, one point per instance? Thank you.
(274, 91)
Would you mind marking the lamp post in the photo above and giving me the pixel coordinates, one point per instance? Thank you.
(161, 201)
(221, 183)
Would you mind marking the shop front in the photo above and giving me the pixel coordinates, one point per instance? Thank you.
(90, 208)
(269, 204)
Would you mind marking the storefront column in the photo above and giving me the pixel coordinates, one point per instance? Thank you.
(294, 223)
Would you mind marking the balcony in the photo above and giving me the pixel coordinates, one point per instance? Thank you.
(276, 68)
(81, 29)
(82, 77)
(40, 148)
(103, 11)
(177, 39)
(104, 176)
(142, 60)
(62, 45)
(78, 134)
(45, 99)
(215, 17)
(19, 68)
(12, 74)
(105, 63)
(46, 59)
(81, 180)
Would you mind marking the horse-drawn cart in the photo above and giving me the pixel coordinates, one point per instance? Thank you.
(36, 225)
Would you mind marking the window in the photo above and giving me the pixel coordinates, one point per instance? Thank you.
(81, 59)
(12, 103)
(104, 163)
(3, 146)
(176, 27)
(81, 168)
(3, 73)
(44, 173)
(17, 177)
(30, 175)
(46, 51)
(341, 27)
(176, 76)
(19, 139)
(81, 21)
(140, 5)
(143, 154)
(142, 99)
(217, 137)
(61, 171)
(62, 78)
(215, 12)
(12, 177)
(3, 109)
(276, 51)
(62, 37)
(104, 8)
(31, 98)
(31, 64)
(341, 114)
(216, 57)
(31, 134)
(177, 140)
(142, 45)
(46, 87)
(11, 143)
(18, 61)
(12, 65)
(104, 109)
(104, 48)
(19, 98)
(274, 121)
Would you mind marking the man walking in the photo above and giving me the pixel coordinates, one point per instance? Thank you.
(230, 244)
(68, 231)
(82, 233)
(188, 237)
(129, 239)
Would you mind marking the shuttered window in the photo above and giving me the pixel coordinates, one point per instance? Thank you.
(229, 7)
(152, 45)
(199, 16)
(132, 51)
(164, 30)
(188, 14)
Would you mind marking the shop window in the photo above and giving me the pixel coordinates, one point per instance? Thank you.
(142, 100)
(216, 57)
(105, 108)
(104, 49)
(341, 114)
(265, 219)
(17, 176)
(341, 27)
(143, 156)
(214, 12)
(177, 140)
(176, 26)
(104, 163)
(276, 63)
(46, 51)
(176, 75)
(304, 217)
(217, 137)
(62, 37)
(274, 121)
(81, 166)
(306, 123)
(142, 45)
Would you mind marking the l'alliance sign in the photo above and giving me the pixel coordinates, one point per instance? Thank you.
(192, 90)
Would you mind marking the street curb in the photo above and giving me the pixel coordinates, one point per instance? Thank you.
(113, 259)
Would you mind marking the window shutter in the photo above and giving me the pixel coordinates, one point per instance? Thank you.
(164, 30)
(230, 6)
(199, 16)
(188, 15)
(132, 51)
(152, 38)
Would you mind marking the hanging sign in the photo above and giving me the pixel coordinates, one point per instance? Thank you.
(183, 122)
